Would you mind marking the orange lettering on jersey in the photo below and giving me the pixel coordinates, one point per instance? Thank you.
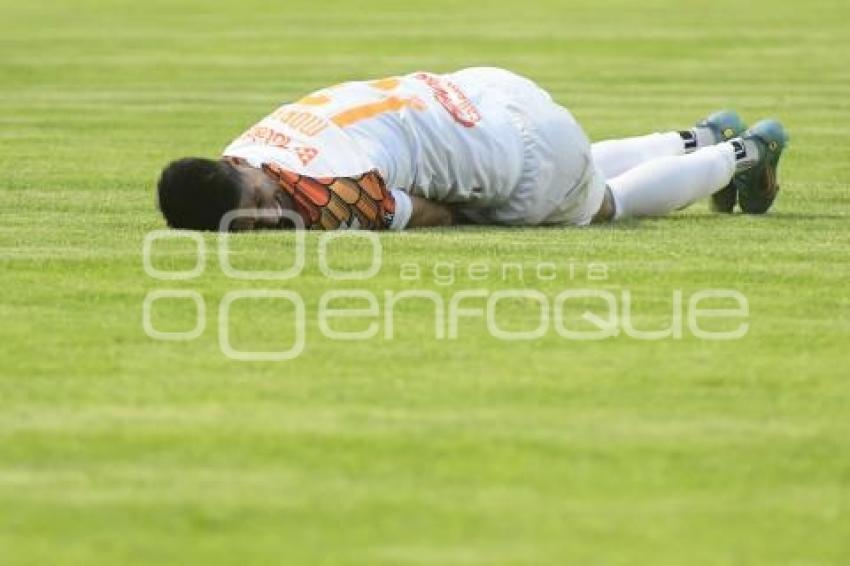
(305, 122)
(268, 136)
(314, 100)
(453, 99)
(385, 84)
(372, 109)
(306, 154)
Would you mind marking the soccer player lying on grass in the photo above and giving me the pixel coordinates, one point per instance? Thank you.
(481, 146)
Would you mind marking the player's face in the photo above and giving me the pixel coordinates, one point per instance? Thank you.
(263, 195)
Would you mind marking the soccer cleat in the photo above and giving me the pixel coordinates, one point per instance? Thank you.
(725, 125)
(757, 186)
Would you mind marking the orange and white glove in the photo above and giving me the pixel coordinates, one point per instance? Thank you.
(340, 203)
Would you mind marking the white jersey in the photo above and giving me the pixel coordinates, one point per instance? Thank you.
(485, 139)
(431, 135)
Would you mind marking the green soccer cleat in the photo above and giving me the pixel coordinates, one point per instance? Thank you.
(725, 125)
(757, 187)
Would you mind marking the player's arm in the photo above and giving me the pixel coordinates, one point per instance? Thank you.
(429, 213)
(411, 211)
(362, 202)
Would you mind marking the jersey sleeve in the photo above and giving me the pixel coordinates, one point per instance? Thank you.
(339, 203)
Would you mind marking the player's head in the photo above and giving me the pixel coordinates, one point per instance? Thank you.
(195, 193)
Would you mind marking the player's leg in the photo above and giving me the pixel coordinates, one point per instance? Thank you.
(666, 184)
(615, 157)
(670, 183)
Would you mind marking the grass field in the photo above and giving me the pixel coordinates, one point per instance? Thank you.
(119, 449)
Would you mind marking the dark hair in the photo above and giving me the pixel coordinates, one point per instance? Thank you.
(195, 193)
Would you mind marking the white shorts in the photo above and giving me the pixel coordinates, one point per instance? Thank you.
(558, 182)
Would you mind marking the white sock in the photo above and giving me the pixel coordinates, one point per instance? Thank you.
(747, 153)
(615, 157)
(671, 183)
(698, 137)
